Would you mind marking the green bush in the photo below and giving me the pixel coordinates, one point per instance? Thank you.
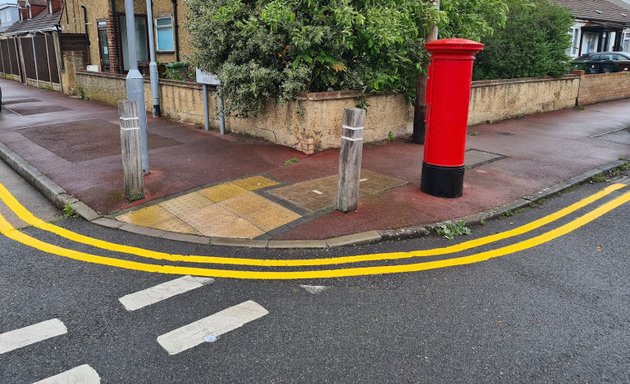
(274, 49)
(533, 42)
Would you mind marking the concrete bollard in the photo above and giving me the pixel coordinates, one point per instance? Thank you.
(350, 159)
(130, 144)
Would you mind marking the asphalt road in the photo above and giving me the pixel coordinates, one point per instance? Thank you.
(556, 313)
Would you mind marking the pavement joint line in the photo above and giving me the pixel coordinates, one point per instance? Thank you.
(83, 374)
(194, 334)
(163, 291)
(52, 192)
(31, 334)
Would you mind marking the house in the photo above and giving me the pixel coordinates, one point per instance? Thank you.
(104, 23)
(35, 16)
(600, 25)
(30, 48)
(8, 15)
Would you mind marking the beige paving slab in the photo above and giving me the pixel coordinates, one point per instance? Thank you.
(182, 205)
(247, 204)
(374, 183)
(146, 217)
(176, 225)
(222, 192)
(272, 217)
(311, 195)
(318, 194)
(239, 228)
(218, 221)
(255, 182)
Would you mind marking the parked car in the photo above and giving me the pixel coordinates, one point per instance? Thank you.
(603, 62)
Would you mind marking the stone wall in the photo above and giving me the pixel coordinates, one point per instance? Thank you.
(503, 99)
(604, 87)
(312, 122)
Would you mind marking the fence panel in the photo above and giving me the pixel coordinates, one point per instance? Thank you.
(14, 57)
(41, 58)
(52, 59)
(5, 62)
(29, 57)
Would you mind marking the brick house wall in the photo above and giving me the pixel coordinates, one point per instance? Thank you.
(101, 10)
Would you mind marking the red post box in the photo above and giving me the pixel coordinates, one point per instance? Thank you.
(447, 99)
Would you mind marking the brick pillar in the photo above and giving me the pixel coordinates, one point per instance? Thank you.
(113, 39)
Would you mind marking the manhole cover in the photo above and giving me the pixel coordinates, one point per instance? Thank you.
(27, 110)
(85, 140)
(475, 157)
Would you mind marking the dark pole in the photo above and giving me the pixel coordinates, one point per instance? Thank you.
(176, 26)
(419, 128)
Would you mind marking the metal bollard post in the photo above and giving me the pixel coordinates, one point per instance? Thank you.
(130, 144)
(350, 159)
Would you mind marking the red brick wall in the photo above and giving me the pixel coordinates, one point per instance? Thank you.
(113, 40)
(604, 87)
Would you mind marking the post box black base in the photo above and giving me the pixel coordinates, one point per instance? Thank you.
(442, 181)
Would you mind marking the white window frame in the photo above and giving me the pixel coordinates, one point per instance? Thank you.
(159, 27)
(625, 43)
(574, 48)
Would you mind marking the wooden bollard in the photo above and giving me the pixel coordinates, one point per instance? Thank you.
(350, 159)
(130, 144)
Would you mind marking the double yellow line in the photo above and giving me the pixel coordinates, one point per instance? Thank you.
(9, 231)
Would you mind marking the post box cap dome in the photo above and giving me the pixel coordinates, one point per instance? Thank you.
(454, 45)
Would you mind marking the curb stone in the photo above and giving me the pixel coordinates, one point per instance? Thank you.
(60, 198)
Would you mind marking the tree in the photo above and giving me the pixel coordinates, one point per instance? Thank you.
(533, 42)
(274, 49)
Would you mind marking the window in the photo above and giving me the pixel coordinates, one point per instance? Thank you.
(590, 42)
(164, 34)
(574, 49)
(142, 43)
(626, 42)
(103, 44)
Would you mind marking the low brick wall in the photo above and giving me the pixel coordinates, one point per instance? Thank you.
(312, 122)
(503, 99)
(105, 87)
(604, 87)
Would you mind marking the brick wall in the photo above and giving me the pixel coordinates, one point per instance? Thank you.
(497, 100)
(604, 87)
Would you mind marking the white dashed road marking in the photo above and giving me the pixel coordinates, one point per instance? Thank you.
(83, 374)
(162, 291)
(314, 289)
(193, 334)
(30, 335)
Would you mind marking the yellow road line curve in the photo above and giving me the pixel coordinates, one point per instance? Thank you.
(7, 229)
(34, 221)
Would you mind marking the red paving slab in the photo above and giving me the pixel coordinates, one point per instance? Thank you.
(540, 150)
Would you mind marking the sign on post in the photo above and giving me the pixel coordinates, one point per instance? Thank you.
(206, 78)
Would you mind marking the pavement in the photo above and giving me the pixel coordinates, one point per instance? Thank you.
(208, 188)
